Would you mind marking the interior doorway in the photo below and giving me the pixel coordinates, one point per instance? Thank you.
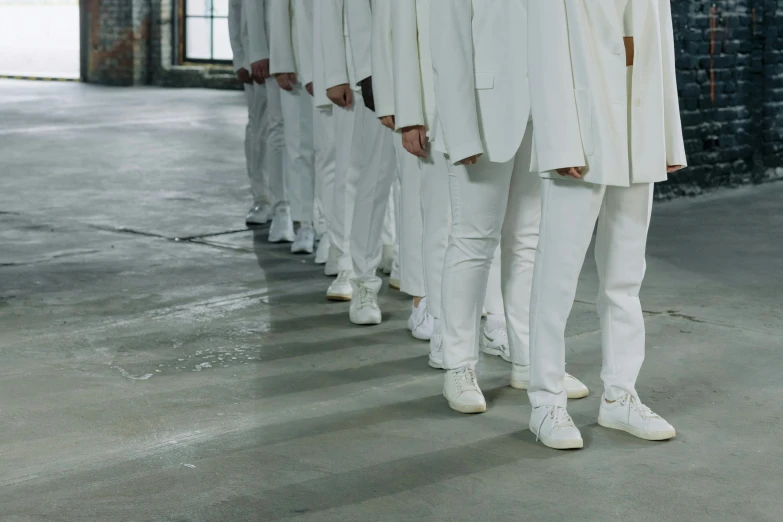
(39, 38)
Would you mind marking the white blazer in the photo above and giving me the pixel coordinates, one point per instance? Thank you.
(291, 37)
(414, 84)
(237, 34)
(580, 93)
(319, 74)
(346, 37)
(382, 75)
(257, 30)
(479, 56)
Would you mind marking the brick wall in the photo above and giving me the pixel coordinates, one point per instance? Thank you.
(730, 76)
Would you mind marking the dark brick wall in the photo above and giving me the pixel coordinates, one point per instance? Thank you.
(730, 74)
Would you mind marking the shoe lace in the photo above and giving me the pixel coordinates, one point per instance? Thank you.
(466, 379)
(366, 297)
(344, 276)
(421, 315)
(644, 412)
(560, 419)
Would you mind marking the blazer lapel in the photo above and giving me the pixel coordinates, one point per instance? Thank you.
(607, 6)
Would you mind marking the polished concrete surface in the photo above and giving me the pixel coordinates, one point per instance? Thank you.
(162, 363)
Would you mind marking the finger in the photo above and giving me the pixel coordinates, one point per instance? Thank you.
(423, 140)
(348, 98)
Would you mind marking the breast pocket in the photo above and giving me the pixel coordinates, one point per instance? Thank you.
(485, 81)
(584, 109)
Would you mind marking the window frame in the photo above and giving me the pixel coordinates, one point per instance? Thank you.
(181, 28)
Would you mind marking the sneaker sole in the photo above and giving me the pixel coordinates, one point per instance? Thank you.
(496, 353)
(524, 385)
(331, 273)
(420, 336)
(338, 298)
(467, 409)
(656, 436)
(256, 223)
(302, 251)
(436, 365)
(367, 323)
(280, 240)
(560, 444)
(394, 285)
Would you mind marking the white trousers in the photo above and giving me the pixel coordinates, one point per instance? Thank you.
(492, 203)
(391, 221)
(570, 211)
(372, 200)
(300, 151)
(254, 141)
(325, 166)
(411, 227)
(273, 142)
(436, 223)
(352, 160)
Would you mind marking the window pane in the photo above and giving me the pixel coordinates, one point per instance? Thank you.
(221, 44)
(198, 7)
(197, 44)
(220, 7)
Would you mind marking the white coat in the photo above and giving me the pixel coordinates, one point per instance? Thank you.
(382, 74)
(346, 27)
(291, 38)
(319, 74)
(257, 30)
(482, 94)
(414, 82)
(580, 94)
(237, 34)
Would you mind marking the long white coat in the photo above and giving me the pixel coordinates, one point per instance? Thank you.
(482, 94)
(580, 94)
(291, 38)
(346, 39)
(257, 30)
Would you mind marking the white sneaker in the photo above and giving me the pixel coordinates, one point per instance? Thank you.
(494, 338)
(322, 252)
(387, 261)
(520, 379)
(630, 415)
(304, 243)
(341, 288)
(394, 283)
(554, 427)
(394, 278)
(332, 262)
(258, 214)
(420, 322)
(364, 306)
(436, 347)
(282, 229)
(461, 389)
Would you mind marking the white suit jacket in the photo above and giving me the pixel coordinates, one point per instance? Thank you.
(257, 30)
(479, 56)
(291, 38)
(382, 74)
(414, 85)
(237, 34)
(580, 94)
(346, 39)
(320, 99)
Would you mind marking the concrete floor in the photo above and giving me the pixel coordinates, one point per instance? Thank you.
(108, 410)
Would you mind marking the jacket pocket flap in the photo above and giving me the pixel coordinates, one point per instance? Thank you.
(485, 80)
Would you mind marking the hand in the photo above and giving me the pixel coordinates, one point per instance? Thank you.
(673, 168)
(574, 172)
(471, 160)
(260, 70)
(388, 122)
(309, 88)
(243, 75)
(414, 140)
(341, 95)
(286, 81)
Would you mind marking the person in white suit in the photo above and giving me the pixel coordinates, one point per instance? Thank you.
(290, 55)
(256, 108)
(325, 147)
(272, 132)
(410, 230)
(479, 50)
(414, 89)
(362, 150)
(607, 126)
